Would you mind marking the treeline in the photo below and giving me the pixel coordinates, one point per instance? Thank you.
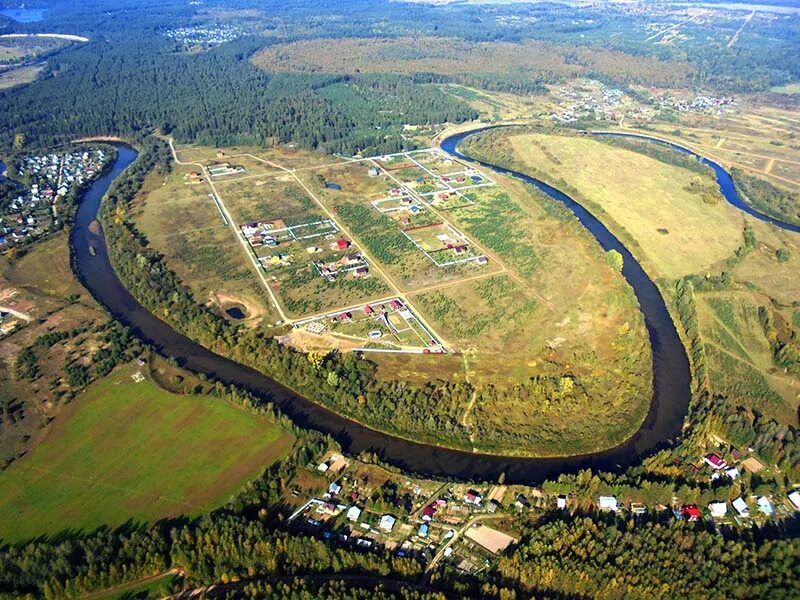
(578, 557)
(767, 198)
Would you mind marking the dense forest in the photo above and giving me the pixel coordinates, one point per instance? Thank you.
(215, 98)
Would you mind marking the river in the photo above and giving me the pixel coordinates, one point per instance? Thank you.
(662, 424)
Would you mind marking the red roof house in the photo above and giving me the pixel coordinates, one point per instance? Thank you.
(691, 512)
(342, 244)
(715, 461)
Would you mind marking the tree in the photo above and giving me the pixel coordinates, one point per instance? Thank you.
(615, 260)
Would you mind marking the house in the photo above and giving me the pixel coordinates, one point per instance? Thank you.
(342, 244)
(735, 454)
(361, 272)
(374, 172)
(715, 462)
(387, 522)
(328, 508)
(690, 512)
(638, 509)
(493, 505)
(322, 467)
(395, 305)
(718, 509)
(353, 513)
(423, 530)
(482, 260)
(794, 498)
(368, 310)
(741, 507)
(608, 503)
(561, 502)
(428, 512)
(334, 488)
(733, 473)
(473, 497)
(764, 505)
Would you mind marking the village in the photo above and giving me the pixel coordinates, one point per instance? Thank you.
(467, 526)
(47, 181)
(204, 36)
(588, 99)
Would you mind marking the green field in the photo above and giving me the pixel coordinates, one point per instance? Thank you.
(126, 451)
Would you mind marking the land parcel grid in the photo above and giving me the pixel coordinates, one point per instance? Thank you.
(182, 221)
(309, 263)
(378, 210)
(386, 326)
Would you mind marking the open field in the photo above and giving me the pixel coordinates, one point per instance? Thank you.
(759, 138)
(677, 232)
(526, 60)
(42, 281)
(20, 76)
(741, 361)
(182, 222)
(126, 451)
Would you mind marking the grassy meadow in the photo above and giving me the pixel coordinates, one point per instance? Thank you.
(678, 233)
(126, 451)
(181, 221)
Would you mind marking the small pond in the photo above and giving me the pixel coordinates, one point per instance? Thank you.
(236, 312)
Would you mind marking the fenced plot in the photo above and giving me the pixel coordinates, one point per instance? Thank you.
(442, 243)
(384, 326)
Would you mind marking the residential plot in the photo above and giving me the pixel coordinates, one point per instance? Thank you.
(385, 326)
(376, 209)
(444, 244)
(308, 262)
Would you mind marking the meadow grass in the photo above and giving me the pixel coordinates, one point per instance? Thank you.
(677, 231)
(133, 452)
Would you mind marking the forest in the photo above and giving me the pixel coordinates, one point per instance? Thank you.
(239, 104)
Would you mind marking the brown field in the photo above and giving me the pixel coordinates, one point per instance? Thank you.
(182, 222)
(458, 57)
(20, 76)
(676, 231)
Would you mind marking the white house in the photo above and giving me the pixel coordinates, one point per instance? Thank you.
(733, 473)
(764, 505)
(608, 503)
(353, 513)
(387, 522)
(794, 498)
(741, 507)
(718, 509)
(561, 502)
